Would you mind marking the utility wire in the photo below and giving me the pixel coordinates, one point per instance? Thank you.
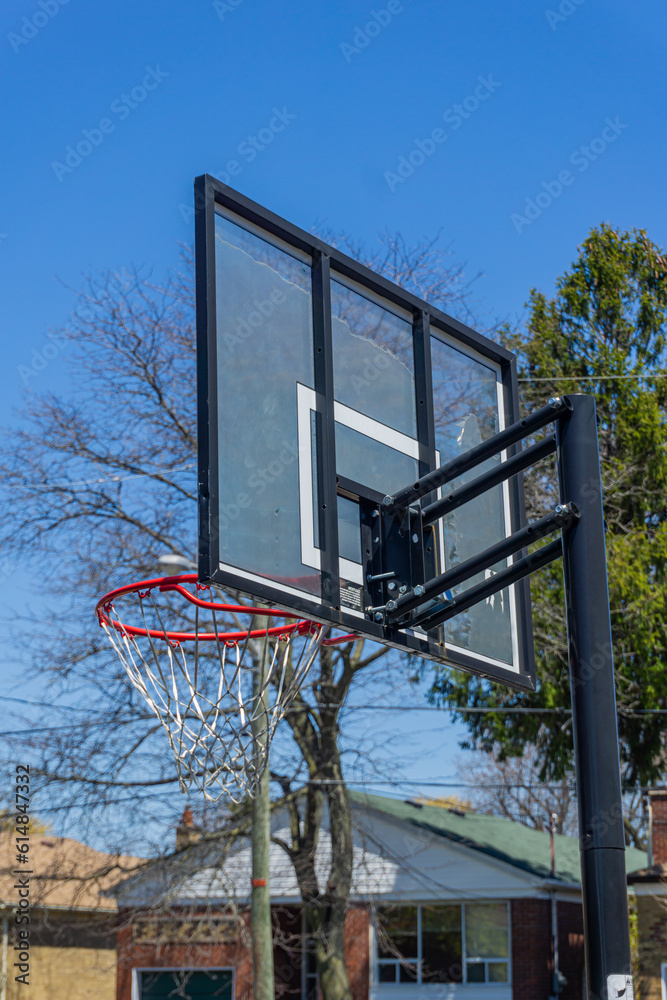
(31, 732)
(46, 704)
(407, 783)
(474, 710)
(589, 378)
(509, 709)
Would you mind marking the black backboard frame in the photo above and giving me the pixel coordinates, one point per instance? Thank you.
(427, 321)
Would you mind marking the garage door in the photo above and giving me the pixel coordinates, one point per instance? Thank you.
(187, 984)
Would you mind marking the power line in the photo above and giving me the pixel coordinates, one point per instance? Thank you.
(501, 709)
(31, 732)
(407, 783)
(450, 708)
(592, 378)
(46, 704)
(473, 710)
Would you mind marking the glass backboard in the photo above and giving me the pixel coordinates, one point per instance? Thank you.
(322, 388)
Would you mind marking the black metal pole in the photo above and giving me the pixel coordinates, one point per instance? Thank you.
(602, 841)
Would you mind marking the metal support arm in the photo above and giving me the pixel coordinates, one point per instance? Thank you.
(505, 470)
(560, 517)
(487, 449)
(517, 571)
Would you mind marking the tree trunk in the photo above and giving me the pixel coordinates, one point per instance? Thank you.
(332, 971)
(316, 734)
(334, 900)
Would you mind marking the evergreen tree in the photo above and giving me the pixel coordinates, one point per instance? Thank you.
(602, 333)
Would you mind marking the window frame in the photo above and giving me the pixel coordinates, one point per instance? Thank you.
(377, 961)
(307, 977)
(138, 971)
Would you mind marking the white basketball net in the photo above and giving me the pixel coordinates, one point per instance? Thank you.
(219, 701)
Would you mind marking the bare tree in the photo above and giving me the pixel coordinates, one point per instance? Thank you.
(98, 482)
(513, 787)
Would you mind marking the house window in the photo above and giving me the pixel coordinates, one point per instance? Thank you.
(486, 943)
(443, 943)
(310, 981)
(398, 944)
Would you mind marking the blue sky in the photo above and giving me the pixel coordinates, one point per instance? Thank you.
(548, 119)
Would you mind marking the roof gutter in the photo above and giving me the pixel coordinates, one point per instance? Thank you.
(553, 885)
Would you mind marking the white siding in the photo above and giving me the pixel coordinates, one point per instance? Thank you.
(443, 991)
(391, 860)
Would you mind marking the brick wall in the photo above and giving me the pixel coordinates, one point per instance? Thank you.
(357, 937)
(72, 957)
(237, 955)
(571, 948)
(132, 955)
(67, 974)
(531, 949)
(658, 799)
(652, 934)
(532, 959)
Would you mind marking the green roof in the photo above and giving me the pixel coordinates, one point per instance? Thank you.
(499, 838)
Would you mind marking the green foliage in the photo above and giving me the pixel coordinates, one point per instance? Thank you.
(633, 922)
(602, 333)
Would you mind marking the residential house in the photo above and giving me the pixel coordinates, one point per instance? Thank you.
(441, 899)
(72, 926)
(649, 885)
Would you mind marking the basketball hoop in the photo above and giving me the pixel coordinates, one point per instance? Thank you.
(219, 694)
